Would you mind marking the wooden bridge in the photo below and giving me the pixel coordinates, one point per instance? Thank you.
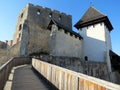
(22, 73)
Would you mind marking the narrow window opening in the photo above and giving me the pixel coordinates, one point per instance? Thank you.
(20, 27)
(21, 15)
(86, 58)
(59, 17)
(50, 15)
(38, 12)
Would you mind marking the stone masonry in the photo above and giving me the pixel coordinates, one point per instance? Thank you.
(47, 34)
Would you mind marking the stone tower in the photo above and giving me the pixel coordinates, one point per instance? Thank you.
(31, 30)
(95, 29)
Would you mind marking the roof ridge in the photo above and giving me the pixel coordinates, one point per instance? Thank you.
(98, 10)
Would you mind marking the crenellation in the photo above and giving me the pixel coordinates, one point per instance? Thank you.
(63, 14)
(70, 16)
(65, 31)
(56, 11)
(44, 15)
(39, 7)
(47, 9)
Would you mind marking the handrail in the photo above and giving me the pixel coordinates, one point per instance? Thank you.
(3, 66)
(5, 69)
(65, 79)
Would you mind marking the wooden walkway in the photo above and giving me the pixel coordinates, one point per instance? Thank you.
(24, 78)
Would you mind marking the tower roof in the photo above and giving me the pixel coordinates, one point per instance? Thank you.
(93, 16)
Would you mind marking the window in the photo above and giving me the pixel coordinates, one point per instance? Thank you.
(50, 15)
(21, 15)
(38, 12)
(86, 58)
(59, 17)
(20, 27)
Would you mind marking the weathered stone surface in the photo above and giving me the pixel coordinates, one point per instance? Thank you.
(96, 69)
(31, 28)
(32, 36)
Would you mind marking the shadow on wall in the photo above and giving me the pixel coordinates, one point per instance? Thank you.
(94, 49)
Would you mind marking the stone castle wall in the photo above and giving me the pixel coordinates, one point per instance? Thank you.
(64, 44)
(3, 56)
(95, 69)
(14, 50)
(19, 26)
(42, 16)
(32, 36)
(32, 30)
(6, 54)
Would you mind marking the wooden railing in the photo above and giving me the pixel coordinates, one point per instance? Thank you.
(6, 68)
(65, 79)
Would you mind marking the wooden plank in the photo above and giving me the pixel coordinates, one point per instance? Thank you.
(86, 85)
(91, 86)
(25, 79)
(95, 86)
(81, 84)
(66, 79)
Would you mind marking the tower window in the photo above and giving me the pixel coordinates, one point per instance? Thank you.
(38, 12)
(59, 17)
(50, 15)
(86, 58)
(20, 27)
(21, 15)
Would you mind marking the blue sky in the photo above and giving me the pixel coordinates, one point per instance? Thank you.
(9, 10)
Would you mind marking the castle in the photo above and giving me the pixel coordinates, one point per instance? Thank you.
(48, 33)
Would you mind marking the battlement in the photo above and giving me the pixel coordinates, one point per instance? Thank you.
(43, 15)
(49, 9)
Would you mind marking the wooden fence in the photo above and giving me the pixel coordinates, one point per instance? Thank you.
(6, 68)
(65, 79)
